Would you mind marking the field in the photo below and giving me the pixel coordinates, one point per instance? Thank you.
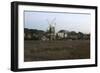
(56, 50)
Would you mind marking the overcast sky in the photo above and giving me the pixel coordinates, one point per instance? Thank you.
(66, 21)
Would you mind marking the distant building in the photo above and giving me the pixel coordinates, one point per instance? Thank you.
(62, 34)
(33, 34)
(86, 36)
(44, 38)
(73, 37)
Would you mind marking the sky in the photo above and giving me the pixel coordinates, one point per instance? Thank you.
(78, 22)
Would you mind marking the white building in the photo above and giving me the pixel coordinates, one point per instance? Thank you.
(62, 34)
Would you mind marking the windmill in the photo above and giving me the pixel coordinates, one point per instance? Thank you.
(51, 29)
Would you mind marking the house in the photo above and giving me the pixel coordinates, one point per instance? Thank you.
(86, 36)
(62, 34)
(73, 37)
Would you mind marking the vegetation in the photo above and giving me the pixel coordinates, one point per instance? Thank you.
(56, 50)
(34, 34)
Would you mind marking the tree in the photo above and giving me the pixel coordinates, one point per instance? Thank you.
(73, 33)
(80, 35)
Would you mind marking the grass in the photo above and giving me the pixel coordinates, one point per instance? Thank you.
(56, 50)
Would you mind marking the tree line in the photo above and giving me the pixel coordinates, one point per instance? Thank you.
(34, 34)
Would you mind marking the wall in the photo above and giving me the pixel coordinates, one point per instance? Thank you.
(5, 17)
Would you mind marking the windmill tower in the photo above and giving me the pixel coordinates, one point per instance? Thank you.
(51, 29)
